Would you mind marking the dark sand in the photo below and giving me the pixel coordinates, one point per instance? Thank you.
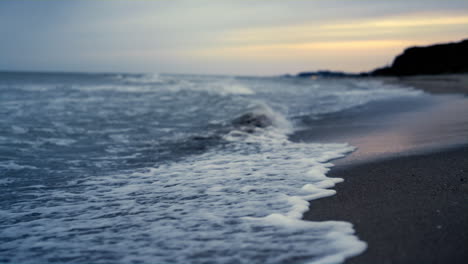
(409, 209)
(406, 187)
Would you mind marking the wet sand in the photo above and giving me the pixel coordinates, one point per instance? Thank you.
(436, 84)
(395, 127)
(406, 187)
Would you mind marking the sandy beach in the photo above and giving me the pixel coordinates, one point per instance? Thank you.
(408, 209)
(406, 186)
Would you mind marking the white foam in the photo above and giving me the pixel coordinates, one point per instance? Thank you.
(279, 120)
(19, 130)
(226, 89)
(12, 165)
(219, 86)
(240, 200)
(115, 88)
(60, 141)
(247, 199)
(149, 78)
(166, 83)
(5, 181)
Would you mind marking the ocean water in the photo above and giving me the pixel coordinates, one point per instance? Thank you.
(148, 168)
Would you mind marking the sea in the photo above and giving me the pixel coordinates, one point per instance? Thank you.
(162, 168)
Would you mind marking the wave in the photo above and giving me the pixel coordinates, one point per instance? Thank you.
(223, 86)
(242, 200)
(145, 83)
(261, 116)
(149, 78)
(12, 165)
(209, 176)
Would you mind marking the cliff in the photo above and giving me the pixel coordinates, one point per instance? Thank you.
(435, 59)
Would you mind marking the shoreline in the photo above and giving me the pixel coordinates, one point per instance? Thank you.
(434, 84)
(392, 128)
(409, 209)
(405, 189)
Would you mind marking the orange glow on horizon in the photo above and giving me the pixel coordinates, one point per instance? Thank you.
(369, 41)
(404, 22)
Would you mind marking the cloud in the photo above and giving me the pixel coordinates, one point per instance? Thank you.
(210, 35)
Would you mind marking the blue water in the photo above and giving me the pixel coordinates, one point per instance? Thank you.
(148, 168)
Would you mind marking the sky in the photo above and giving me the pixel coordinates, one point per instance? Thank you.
(239, 37)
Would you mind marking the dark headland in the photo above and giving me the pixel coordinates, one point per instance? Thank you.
(440, 68)
(446, 58)
(406, 187)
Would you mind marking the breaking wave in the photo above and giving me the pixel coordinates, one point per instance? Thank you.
(171, 169)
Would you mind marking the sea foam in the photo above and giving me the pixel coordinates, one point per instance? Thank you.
(171, 169)
(243, 201)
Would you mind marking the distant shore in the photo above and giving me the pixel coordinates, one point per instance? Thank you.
(406, 187)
